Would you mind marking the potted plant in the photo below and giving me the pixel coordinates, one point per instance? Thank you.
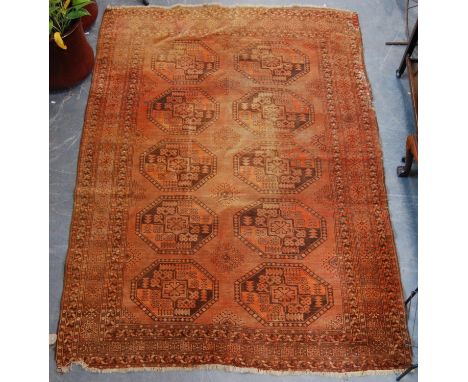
(71, 58)
(89, 20)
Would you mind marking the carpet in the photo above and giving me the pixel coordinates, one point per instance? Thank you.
(230, 209)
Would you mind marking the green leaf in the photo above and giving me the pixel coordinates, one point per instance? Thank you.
(51, 25)
(76, 14)
(53, 8)
(75, 7)
(80, 2)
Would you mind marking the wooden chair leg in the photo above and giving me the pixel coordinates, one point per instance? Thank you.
(403, 171)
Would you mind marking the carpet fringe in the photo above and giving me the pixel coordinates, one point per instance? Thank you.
(231, 369)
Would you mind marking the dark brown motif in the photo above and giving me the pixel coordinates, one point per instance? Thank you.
(174, 290)
(283, 294)
(176, 224)
(280, 228)
(266, 110)
(178, 165)
(271, 63)
(277, 167)
(183, 111)
(184, 62)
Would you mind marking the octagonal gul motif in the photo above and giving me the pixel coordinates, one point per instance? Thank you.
(174, 290)
(283, 294)
(276, 167)
(266, 110)
(280, 228)
(176, 224)
(183, 111)
(271, 63)
(178, 165)
(184, 61)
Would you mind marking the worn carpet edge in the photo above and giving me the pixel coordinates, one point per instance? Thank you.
(390, 216)
(232, 369)
(383, 179)
(232, 6)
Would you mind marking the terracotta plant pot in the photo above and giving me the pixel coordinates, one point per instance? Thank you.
(70, 66)
(89, 20)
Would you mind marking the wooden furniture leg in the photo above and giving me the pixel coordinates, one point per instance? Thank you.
(411, 153)
(409, 50)
(411, 65)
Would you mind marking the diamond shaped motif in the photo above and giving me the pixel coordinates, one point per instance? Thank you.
(184, 61)
(277, 167)
(266, 110)
(178, 165)
(183, 111)
(284, 295)
(280, 228)
(271, 63)
(174, 290)
(176, 224)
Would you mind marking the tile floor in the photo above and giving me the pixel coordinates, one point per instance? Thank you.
(381, 21)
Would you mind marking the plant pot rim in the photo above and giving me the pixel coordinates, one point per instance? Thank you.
(69, 31)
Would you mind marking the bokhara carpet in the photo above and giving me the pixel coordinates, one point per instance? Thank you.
(230, 207)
